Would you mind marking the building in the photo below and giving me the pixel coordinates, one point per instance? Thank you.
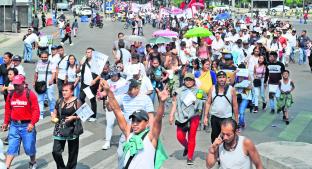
(15, 13)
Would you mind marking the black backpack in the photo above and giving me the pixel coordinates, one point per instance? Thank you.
(223, 95)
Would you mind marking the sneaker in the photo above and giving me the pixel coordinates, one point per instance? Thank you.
(272, 111)
(71, 44)
(287, 121)
(32, 166)
(41, 117)
(284, 118)
(106, 145)
(189, 162)
(264, 106)
(185, 152)
(6, 141)
(92, 119)
(255, 109)
(62, 43)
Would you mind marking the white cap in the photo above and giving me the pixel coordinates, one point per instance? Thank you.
(243, 26)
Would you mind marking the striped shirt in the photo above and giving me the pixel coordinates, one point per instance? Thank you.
(131, 104)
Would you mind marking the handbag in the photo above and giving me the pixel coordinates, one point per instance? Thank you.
(68, 130)
(257, 82)
(41, 86)
(184, 126)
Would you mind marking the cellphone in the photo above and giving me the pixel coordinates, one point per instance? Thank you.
(221, 136)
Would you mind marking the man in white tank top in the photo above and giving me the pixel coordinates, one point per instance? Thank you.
(234, 151)
(145, 141)
(221, 103)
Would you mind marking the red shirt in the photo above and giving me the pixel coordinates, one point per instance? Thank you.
(18, 108)
(67, 29)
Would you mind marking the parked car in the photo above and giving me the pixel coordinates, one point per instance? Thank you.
(84, 11)
(62, 5)
(279, 8)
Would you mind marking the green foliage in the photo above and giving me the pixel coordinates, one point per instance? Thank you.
(177, 2)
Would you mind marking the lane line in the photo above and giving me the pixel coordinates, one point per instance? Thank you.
(263, 121)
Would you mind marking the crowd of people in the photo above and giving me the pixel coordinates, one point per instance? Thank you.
(208, 80)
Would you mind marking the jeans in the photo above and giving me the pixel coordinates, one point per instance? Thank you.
(18, 133)
(215, 127)
(272, 96)
(93, 100)
(77, 90)
(110, 121)
(292, 54)
(242, 108)
(302, 56)
(61, 33)
(51, 98)
(122, 140)
(27, 52)
(73, 150)
(153, 95)
(190, 142)
(259, 91)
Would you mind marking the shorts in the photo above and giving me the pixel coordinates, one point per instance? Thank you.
(18, 133)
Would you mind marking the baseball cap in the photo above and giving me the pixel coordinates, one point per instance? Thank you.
(189, 75)
(54, 47)
(17, 58)
(221, 73)
(133, 84)
(18, 79)
(228, 56)
(139, 115)
(135, 55)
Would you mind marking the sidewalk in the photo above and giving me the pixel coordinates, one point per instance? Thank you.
(8, 38)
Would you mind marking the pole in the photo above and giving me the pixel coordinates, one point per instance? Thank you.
(14, 10)
(3, 18)
(283, 8)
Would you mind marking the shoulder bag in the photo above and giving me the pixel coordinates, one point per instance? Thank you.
(41, 86)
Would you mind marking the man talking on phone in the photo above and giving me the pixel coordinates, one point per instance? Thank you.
(233, 151)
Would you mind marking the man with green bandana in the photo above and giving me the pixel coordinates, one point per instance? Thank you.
(142, 148)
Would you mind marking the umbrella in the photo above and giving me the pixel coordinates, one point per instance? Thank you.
(165, 33)
(223, 16)
(198, 4)
(135, 38)
(198, 32)
(158, 40)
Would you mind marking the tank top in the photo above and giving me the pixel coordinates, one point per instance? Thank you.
(144, 158)
(260, 72)
(221, 106)
(236, 159)
(286, 87)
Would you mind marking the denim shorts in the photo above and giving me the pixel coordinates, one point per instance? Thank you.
(18, 133)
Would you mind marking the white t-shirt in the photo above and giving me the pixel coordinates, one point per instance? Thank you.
(31, 39)
(62, 68)
(87, 76)
(54, 59)
(20, 69)
(146, 85)
(71, 74)
(126, 56)
(41, 69)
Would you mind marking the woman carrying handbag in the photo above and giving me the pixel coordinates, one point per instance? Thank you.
(67, 128)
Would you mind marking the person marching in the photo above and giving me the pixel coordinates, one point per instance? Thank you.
(233, 150)
(222, 100)
(142, 134)
(21, 113)
(188, 114)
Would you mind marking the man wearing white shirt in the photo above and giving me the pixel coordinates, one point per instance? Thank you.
(89, 80)
(17, 65)
(61, 69)
(217, 45)
(28, 41)
(292, 42)
(122, 55)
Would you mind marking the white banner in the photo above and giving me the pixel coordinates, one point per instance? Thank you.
(84, 112)
(98, 62)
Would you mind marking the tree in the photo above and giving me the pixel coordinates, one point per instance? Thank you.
(176, 2)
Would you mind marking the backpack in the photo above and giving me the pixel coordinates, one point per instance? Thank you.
(223, 95)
